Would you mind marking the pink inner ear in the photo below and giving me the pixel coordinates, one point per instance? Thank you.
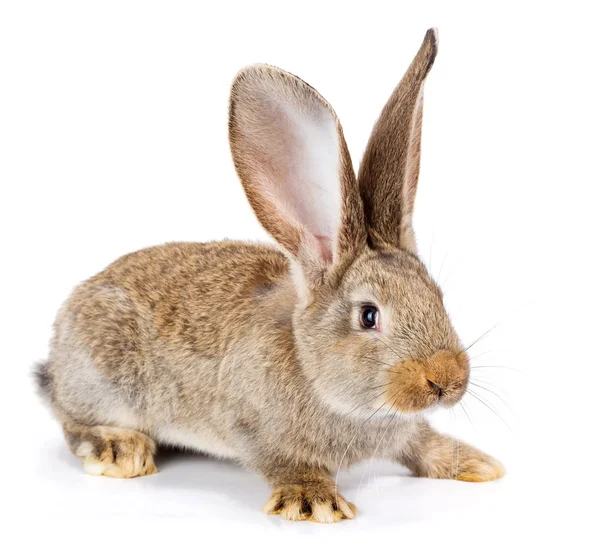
(325, 246)
(296, 160)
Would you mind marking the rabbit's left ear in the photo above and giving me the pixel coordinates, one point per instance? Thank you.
(292, 159)
(389, 170)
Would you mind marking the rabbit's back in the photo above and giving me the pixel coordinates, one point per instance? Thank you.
(142, 344)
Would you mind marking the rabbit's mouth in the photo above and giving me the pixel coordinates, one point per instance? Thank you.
(415, 385)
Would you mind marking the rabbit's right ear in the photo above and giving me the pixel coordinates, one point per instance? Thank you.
(290, 154)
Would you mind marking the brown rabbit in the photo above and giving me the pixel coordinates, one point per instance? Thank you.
(294, 361)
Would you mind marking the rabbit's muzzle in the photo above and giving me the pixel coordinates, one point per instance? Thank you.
(417, 384)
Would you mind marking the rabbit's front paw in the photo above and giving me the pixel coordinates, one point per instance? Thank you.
(435, 455)
(309, 503)
(480, 469)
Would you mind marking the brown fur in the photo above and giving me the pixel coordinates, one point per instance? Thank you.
(249, 156)
(390, 168)
(435, 455)
(411, 381)
(251, 353)
(309, 494)
(111, 451)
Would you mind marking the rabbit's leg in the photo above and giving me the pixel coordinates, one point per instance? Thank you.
(116, 452)
(305, 494)
(433, 455)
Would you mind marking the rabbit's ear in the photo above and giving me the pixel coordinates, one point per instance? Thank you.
(292, 159)
(389, 170)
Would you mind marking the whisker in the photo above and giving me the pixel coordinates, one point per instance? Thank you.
(465, 411)
(357, 432)
(499, 367)
(479, 339)
(384, 385)
(443, 286)
(479, 356)
(482, 401)
(467, 407)
(457, 447)
(431, 252)
(386, 345)
(368, 469)
(495, 394)
(361, 404)
(441, 269)
(486, 399)
(374, 360)
(486, 382)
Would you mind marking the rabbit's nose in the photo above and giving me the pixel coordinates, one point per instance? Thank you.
(436, 387)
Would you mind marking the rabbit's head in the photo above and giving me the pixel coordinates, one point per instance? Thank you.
(370, 324)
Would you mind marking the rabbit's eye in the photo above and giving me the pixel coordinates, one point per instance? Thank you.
(369, 317)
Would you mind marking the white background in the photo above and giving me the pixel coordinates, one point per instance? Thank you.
(113, 137)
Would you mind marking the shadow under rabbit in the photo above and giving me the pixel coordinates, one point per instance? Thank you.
(385, 493)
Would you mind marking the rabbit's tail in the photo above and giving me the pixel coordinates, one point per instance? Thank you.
(43, 380)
